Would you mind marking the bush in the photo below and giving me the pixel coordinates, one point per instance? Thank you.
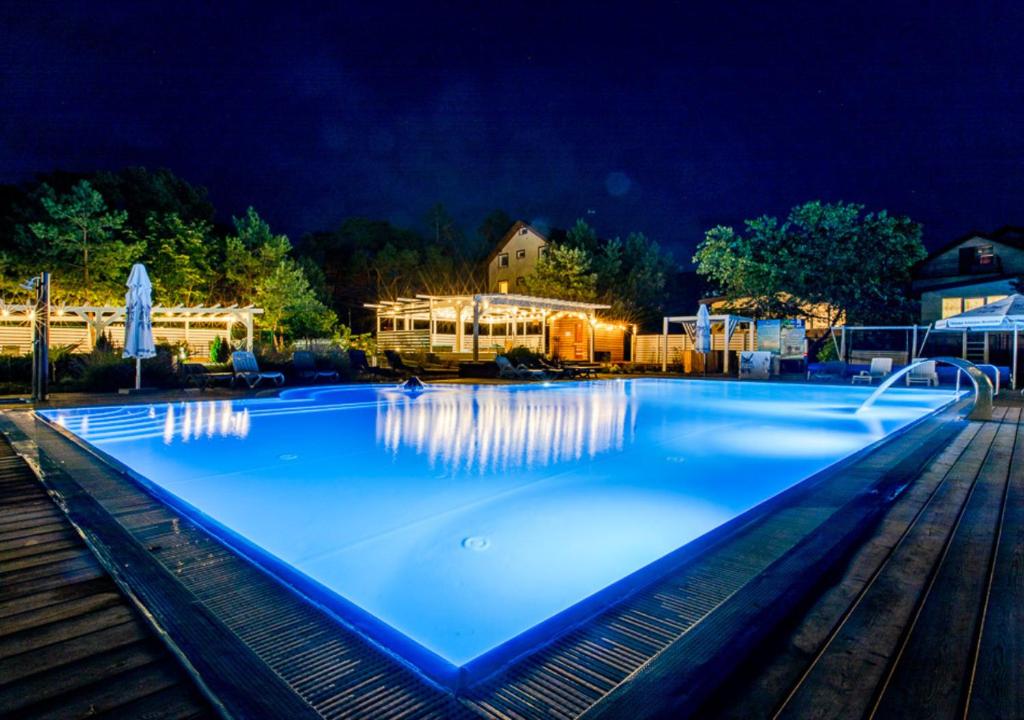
(522, 356)
(219, 350)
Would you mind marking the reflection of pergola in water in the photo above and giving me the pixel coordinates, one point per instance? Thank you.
(491, 323)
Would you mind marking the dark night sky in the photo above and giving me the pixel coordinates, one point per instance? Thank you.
(666, 118)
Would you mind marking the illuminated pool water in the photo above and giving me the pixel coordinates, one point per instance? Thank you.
(460, 526)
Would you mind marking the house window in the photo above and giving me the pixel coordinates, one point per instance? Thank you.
(503, 260)
(503, 286)
(951, 307)
(520, 254)
(984, 255)
(520, 281)
(972, 303)
(523, 231)
(994, 298)
(542, 251)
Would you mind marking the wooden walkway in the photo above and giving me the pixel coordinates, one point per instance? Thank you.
(71, 645)
(925, 621)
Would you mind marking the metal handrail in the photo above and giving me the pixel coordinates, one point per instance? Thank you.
(981, 408)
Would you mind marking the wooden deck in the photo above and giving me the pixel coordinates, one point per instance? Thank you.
(925, 621)
(893, 582)
(71, 645)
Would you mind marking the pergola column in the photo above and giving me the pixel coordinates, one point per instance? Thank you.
(460, 329)
(430, 325)
(664, 344)
(248, 331)
(590, 338)
(476, 329)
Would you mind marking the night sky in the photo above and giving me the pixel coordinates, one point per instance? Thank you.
(666, 118)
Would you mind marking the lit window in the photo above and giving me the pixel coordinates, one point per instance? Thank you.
(520, 254)
(503, 285)
(503, 260)
(994, 298)
(971, 303)
(984, 255)
(951, 307)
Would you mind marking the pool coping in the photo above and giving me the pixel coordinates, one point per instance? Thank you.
(764, 509)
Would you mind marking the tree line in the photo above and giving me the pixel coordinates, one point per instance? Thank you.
(87, 230)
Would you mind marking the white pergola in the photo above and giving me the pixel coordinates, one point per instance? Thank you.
(81, 324)
(727, 323)
(513, 312)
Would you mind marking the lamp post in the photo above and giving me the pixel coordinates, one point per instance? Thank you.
(40, 337)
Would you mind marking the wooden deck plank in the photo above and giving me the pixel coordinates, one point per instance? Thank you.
(70, 644)
(930, 674)
(843, 678)
(762, 684)
(997, 689)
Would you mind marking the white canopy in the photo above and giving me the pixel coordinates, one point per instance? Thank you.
(1000, 315)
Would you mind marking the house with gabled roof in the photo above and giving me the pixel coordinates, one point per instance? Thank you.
(513, 258)
(970, 271)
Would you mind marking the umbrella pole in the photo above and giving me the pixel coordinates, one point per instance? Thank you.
(1013, 373)
(138, 373)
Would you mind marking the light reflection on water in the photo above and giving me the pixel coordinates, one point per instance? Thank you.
(497, 430)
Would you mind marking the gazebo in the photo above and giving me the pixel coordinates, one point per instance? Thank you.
(493, 322)
(722, 326)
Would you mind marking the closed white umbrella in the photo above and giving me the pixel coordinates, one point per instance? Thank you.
(702, 333)
(138, 325)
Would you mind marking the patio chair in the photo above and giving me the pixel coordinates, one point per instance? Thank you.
(246, 369)
(304, 364)
(198, 375)
(554, 371)
(511, 372)
(410, 367)
(923, 374)
(361, 366)
(880, 367)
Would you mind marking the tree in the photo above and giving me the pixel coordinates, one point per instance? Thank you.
(827, 254)
(81, 246)
(260, 270)
(181, 256)
(290, 306)
(563, 272)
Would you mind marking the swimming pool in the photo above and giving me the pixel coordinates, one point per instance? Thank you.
(461, 526)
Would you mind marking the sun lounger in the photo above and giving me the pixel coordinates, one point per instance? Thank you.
(923, 374)
(361, 366)
(829, 370)
(880, 367)
(512, 372)
(246, 369)
(304, 364)
(197, 375)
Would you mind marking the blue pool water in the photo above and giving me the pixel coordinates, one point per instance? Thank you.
(461, 525)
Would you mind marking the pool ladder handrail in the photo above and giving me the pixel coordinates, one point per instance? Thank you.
(981, 408)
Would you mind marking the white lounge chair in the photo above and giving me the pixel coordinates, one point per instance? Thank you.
(923, 374)
(245, 367)
(880, 367)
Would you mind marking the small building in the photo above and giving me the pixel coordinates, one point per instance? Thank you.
(481, 326)
(969, 272)
(513, 258)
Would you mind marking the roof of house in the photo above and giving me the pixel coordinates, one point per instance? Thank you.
(1012, 235)
(516, 227)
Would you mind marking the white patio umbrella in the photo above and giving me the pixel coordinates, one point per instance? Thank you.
(1006, 315)
(138, 325)
(702, 335)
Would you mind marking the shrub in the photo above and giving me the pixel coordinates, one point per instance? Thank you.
(522, 356)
